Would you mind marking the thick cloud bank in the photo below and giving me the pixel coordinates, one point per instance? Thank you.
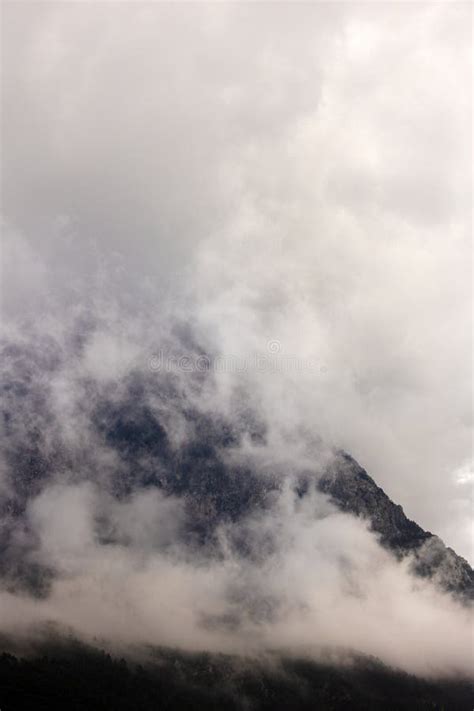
(156, 507)
(276, 193)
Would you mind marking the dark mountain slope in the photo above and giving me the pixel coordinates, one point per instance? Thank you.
(353, 490)
(79, 678)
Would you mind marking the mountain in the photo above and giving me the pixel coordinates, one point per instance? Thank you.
(352, 490)
(154, 433)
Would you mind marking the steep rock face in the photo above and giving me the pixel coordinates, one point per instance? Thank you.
(353, 490)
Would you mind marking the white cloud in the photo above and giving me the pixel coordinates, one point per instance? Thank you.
(289, 172)
(327, 582)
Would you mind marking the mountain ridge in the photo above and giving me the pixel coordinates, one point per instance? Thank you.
(353, 490)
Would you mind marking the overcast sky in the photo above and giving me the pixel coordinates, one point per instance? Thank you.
(291, 173)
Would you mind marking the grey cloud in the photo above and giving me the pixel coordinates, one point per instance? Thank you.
(258, 173)
(254, 162)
